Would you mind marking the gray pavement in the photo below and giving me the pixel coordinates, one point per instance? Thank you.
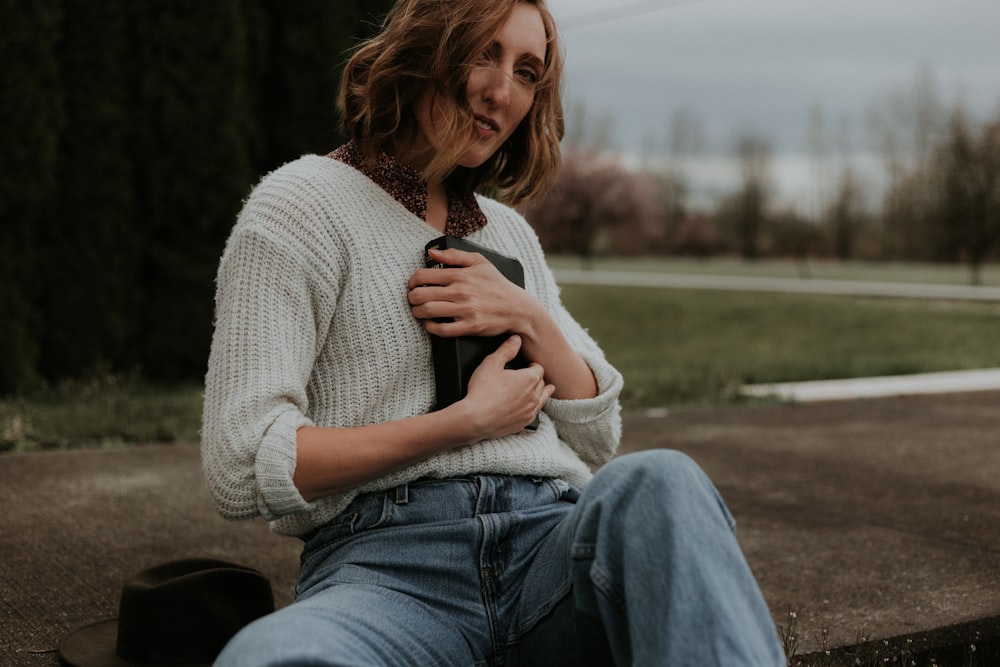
(867, 518)
(769, 284)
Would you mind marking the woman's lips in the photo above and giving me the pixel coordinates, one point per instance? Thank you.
(486, 125)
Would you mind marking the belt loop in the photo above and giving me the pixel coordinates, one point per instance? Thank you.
(402, 494)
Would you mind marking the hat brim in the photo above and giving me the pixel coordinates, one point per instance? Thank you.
(94, 646)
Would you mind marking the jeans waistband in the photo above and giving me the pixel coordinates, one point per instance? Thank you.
(455, 498)
(463, 497)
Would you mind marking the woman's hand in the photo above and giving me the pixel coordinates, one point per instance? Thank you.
(499, 402)
(502, 401)
(471, 299)
(475, 299)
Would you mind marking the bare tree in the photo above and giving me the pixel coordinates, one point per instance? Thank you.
(839, 202)
(695, 235)
(754, 155)
(792, 235)
(970, 192)
(597, 206)
(845, 214)
(587, 134)
(667, 168)
(908, 128)
(819, 153)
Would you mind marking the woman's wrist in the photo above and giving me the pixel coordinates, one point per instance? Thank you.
(533, 321)
(545, 343)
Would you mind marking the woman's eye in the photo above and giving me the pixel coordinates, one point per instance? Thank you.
(486, 58)
(528, 75)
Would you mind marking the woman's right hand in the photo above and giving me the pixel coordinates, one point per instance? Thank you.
(504, 401)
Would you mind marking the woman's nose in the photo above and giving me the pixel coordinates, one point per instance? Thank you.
(498, 86)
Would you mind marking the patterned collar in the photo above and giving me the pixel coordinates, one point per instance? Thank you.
(408, 187)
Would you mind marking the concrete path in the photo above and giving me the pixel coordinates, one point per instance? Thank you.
(788, 285)
(987, 379)
(866, 518)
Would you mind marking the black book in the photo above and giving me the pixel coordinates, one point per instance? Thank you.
(456, 359)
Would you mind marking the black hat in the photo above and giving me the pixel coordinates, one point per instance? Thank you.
(180, 613)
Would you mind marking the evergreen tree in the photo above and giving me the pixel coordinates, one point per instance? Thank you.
(310, 40)
(30, 117)
(93, 239)
(130, 134)
(193, 167)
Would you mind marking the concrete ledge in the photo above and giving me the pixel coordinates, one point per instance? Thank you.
(76, 524)
(879, 387)
(876, 518)
(962, 645)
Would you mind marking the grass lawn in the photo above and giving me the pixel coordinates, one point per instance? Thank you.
(685, 347)
(674, 347)
(108, 411)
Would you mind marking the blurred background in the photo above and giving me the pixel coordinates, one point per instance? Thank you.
(774, 127)
(702, 135)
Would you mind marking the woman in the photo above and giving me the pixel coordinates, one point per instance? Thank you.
(453, 535)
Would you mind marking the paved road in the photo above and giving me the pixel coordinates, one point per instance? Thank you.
(787, 285)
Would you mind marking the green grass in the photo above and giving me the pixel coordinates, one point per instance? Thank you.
(690, 347)
(109, 411)
(674, 347)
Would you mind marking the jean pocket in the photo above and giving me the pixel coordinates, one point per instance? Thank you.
(366, 512)
(563, 490)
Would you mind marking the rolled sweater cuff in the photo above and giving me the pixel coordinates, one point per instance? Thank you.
(584, 410)
(275, 468)
(591, 426)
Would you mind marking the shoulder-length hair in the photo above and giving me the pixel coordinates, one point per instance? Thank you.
(431, 45)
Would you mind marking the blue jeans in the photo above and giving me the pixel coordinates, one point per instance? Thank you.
(642, 568)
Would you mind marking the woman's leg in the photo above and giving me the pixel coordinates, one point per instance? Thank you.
(350, 626)
(392, 581)
(656, 575)
(422, 576)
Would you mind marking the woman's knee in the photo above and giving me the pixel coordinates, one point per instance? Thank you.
(663, 469)
(284, 638)
(658, 480)
(256, 640)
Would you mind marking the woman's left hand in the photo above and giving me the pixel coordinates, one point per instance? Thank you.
(471, 299)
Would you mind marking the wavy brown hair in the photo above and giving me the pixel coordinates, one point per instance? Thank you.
(431, 45)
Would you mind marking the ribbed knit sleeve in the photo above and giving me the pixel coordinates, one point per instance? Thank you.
(271, 302)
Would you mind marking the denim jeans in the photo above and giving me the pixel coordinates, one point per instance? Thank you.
(642, 568)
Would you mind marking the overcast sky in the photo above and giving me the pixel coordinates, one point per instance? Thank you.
(763, 66)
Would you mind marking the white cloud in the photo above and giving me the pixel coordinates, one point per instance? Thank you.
(763, 65)
(699, 55)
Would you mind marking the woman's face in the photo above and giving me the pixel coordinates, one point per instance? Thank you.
(501, 86)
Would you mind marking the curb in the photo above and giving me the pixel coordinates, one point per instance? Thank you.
(972, 643)
(878, 387)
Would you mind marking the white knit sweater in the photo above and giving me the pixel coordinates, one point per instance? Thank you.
(313, 327)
